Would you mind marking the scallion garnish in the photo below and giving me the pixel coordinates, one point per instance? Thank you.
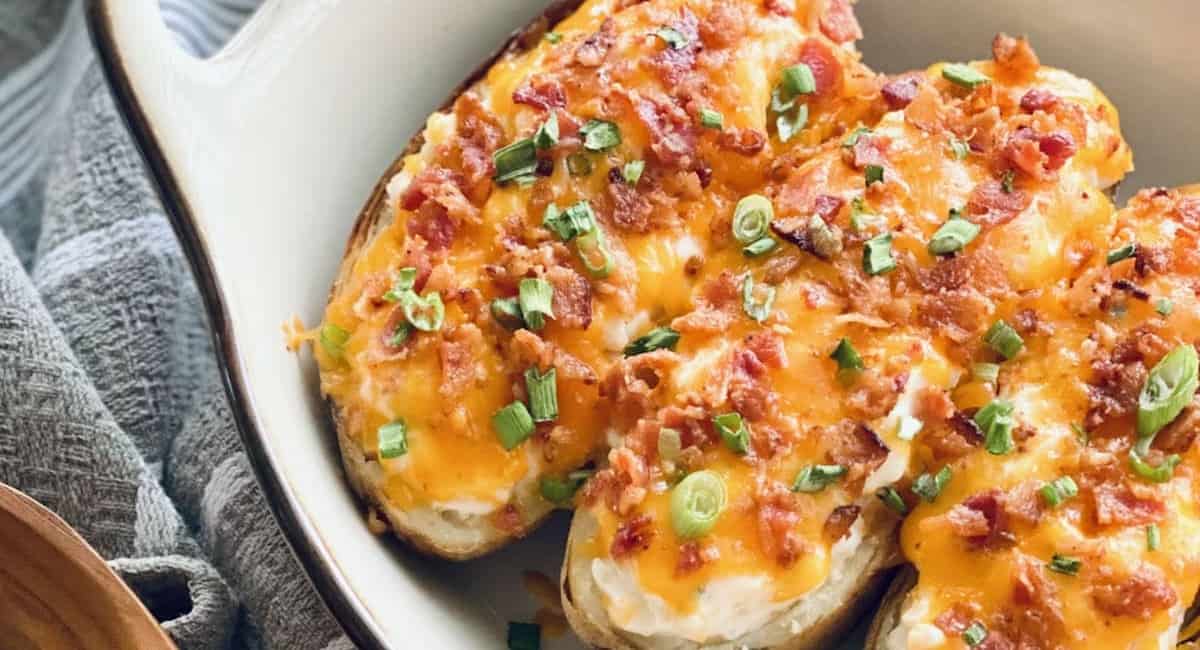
(974, 634)
(908, 427)
(524, 636)
(1164, 306)
(798, 80)
(929, 486)
(393, 439)
(579, 164)
(815, 478)
(873, 174)
(536, 297)
(711, 119)
(570, 223)
(846, 356)
(752, 218)
(1123, 253)
(959, 148)
(852, 139)
(1007, 180)
(759, 247)
(507, 312)
(861, 218)
(405, 279)
(656, 339)
(954, 235)
(425, 313)
(877, 255)
(672, 37)
(757, 305)
(670, 444)
(1065, 564)
(547, 134)
(333, 340)
(964, 75)
(543, 394)
(733, 431)
(1002, 338)
(986, 372)
(1169, 387)
(400, 334)
(558, 490)
(554, 38)
(996, 422)
(516, 161)
(697, 503)
(1059, 490)
(892, 499)
(513, 424)
(1153, 537)
(632, 171)
(788, 124)
(592, 248)
(600, 135)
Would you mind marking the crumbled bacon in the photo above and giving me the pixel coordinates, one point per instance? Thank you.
(458, 352)
(933, 405)
(721, 296)
(1138, 595)
(572, 303)
(777, 519)
(900, 91)
(1037, 617)
(957, 314)
(989, 205)
(954, 440)
(781, 7)
(1039, 155)
(632, 477)
(672, 134)
(631, 212)
(723, 26)
(1187, 211)
(981, 520)
(839, 22)
(1113, 391)
(874, 394)
(540, 92)
(673, 64)
(1015, 56)
(749, 388)
(632, 537)
(593, 50)
(956, 620)
(1058, 147)
(530, 349)
(507, 519)
(691, 558)
(1116, 503)
(747, 142)
(633, 382)
(1178, 436)
(869, 149)
(858, 448)
(479, 135)
(432, 224)
(827, 206)
(1038, 99)
(838, 523)
(1151, 259)
(826, 69)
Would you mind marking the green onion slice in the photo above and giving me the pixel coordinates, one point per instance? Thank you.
(656, 339)
(696, 504)
(405, 279)
(672, 37)
(1142, 467)
(536, 297)
(393, 439)
(560, 490)
(600, 135)
(524, 636)
(861, 219)
(1153, 537)
(1002, 338)
(632, 171)
(929, 486)
(507, 312)
(974, 634)
(873, 174)
(547, 134)
(670, 444)
(752, 218)
(711, 119)
(425, 313)
(579, 164)
(543, 394)
(964, 75)
(1164, 306)
(1170, 387)
(513, 424)
(852, 139)
(986, 372)
(400, 334)
(553, 38)
(757, 307)
(815, 478)
(333, 340)
(877, 255)
(788, 124)
(996, 422)
(1065, 564)
(959, 148)
(846, 356)
(1006, 181)
(892, 499)
(1059, 490)
(759, 247)
(592, 248)
(1123, 253)
(798, 80)
(515, 161)
(570, 223)
(733, 431)
(953, 236)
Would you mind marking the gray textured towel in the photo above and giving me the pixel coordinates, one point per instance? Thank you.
(111, 410)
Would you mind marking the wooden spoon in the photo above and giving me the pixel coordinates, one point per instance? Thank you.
(56, 592)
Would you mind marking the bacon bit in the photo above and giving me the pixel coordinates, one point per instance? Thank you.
(982, 520)
(459, 353)
(900, 91)
(507, 519)
(1138, 595)
(1038, 613)
(602, 485)
(724, 26)
(991, 206)
(874, 394)
(1023, 503)
(747, 142)
(1113, 391)
(839, 22)
(1132, 289)
(632, 476)
(779, 266)
(826, 69)
(672, 134)
(479, 135)
(1116, 504)
(956, 620)
(749, 390)
(934, 405)
(630, 211)
(827, 206)
(1015, 56)
(1151, 259)
(1187, 211)
(530, 349)
(858, 448)
(416, 255)
(691, 558)
(1038, 99)
(838, 523)
(1058, 148)
(957, 315)
(956, 440)
(540, 92)
(593, 50)
(1178, 436)
(632, 383)
(632, 537)
(721, 297)
(673, 64)
(394, 320)
(979, 269)
(781, 7)
(777, 519)
(1039, 156)
(572, 298)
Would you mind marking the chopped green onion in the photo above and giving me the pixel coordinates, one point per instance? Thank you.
(333, 340)
(759, 247)
(547, 134)
(593, 251)
(752, 218)
(507, 312)
(787, 125)
(670, 443)
(1059, 490)
(425, 313)
(672, 37)
(974, 634)
(711, 119)
(861, 219)
(524, 636)
(1006, 181)
(570, 223)
(909, 427)
(798, 80)
(954, 235)
(852, 139)
(815, 478)
(1164, 306)
(877, 255)
(559, 491)
(656, 339)
(959, 148)
(1081, 434)
(1123, 253)
(515, 161)
(964, 75)
(1065, 564)
(543, 394)
(1002, 338)
(892, 499)
(632, 171)
(986, 372)
(400, 334)
(873, 174)
(1160, 474)
(1152, 537)
(513, 424)
(733, 431)
(393, 439)
(995, 420)
(929, 486)
(579, 164)
(536, 297)
(405, 279)
(755, 308)
(553, 38)
(1170, 387)
(846, 356)
(696, 504)
(600, 135)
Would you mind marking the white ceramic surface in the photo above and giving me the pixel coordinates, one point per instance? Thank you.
(266, 152)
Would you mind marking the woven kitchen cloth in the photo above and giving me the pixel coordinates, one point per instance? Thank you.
(111, 409)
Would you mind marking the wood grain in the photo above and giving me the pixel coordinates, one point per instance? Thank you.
(56, 592)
